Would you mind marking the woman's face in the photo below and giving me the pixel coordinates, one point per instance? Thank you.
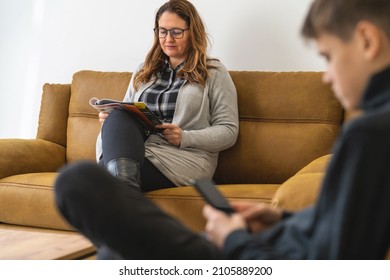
(175, 46)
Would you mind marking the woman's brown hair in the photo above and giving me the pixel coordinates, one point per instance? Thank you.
(196, 67)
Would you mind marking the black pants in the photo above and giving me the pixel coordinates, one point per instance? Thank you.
(123, 137)
(121, 220)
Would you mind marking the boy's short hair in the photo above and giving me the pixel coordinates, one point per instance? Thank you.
(339, 17)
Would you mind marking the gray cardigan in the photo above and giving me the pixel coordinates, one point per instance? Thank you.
(208, 117)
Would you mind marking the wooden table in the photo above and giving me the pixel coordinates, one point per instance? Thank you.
(25, 243)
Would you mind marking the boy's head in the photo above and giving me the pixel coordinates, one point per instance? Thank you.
(354, 38)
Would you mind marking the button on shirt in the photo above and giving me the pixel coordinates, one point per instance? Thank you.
(161, 96)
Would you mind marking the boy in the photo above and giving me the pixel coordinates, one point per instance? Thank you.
(352, 217)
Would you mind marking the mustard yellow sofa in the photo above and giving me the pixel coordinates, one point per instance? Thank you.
(288, 124)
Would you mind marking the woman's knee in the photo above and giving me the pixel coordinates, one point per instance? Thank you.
(118, 118)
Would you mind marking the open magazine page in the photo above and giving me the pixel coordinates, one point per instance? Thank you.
(138, 109)
(106, 105)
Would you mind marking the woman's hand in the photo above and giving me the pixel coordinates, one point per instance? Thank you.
(102, 117)
(219, 225)
(258, 216)
(171, 133)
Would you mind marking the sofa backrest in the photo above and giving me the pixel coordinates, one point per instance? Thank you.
(287, 119)
(83, 124)
(53, 116)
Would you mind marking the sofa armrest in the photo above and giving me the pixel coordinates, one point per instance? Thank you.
(20, 156)
(302, 189)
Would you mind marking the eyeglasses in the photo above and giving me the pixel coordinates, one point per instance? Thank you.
(176, 33)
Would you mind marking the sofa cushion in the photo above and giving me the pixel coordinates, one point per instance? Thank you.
(186, 204)
(28, 200)
(307, 185)
(301, 190)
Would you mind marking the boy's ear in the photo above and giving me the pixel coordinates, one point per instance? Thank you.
(370, 39)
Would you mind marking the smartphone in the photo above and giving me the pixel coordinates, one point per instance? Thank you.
(212, 195)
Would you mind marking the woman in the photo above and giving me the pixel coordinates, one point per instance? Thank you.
(355, 192)
(193, 95)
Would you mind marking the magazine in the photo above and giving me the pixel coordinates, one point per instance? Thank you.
(138, 109)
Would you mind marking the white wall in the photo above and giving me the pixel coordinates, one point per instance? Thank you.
(48, 40)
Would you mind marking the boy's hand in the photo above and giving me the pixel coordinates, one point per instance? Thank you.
(258, 216)
(219, 225)
(252, 216)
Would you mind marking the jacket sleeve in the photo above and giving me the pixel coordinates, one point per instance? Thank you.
(288, 239)
(354, 206)
(223, 130)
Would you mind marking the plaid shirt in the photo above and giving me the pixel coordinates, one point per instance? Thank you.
(161, 96)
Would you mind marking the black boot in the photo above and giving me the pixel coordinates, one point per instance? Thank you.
(126, 170)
